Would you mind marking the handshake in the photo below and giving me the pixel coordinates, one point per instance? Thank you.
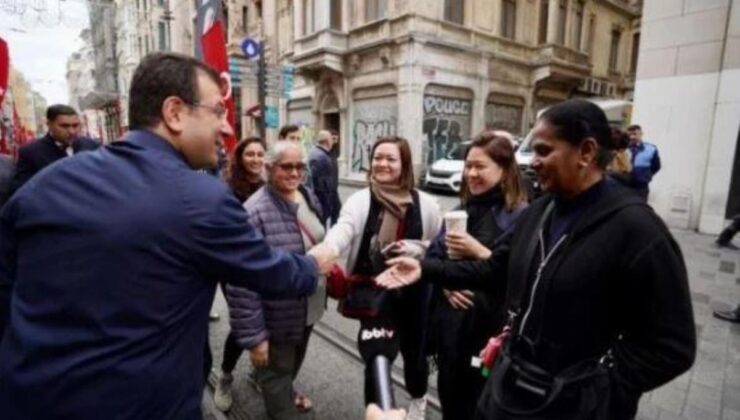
(325, 256)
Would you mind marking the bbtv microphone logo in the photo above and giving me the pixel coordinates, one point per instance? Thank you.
(376, 333)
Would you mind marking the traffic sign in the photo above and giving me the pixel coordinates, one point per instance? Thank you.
(251, 48)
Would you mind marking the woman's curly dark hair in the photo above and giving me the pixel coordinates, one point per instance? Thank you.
(236, 175)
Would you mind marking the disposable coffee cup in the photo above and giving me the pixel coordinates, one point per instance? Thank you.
(456, 221)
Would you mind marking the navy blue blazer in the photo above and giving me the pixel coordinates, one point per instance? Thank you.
(42, 152)
(108, 267)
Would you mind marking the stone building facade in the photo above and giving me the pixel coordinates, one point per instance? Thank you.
(688, 102)
(439, 71)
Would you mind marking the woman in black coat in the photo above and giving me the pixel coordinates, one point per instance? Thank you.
(595, 284)
(464, 320)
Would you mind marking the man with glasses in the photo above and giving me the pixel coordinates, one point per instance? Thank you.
(61, 141)
(109, 262)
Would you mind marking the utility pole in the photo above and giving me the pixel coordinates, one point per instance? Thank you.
(262, 90)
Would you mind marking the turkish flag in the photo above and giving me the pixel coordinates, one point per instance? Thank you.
(209, 22)
(4, 69)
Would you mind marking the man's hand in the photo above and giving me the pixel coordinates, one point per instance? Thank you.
(462, 245)
(459, 299)
(259, 355)
(374, 412)
(403, 272)
(325, 257)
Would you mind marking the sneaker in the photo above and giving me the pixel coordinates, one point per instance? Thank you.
(417, 409)
(222, 397)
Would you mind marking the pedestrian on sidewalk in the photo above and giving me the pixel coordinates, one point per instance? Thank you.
(391, 217)
(325, 177)
(596, 287)
(724, 240)
(462, 321)
(645, 161)
(276, 332)
(109, 261)
(62, 140)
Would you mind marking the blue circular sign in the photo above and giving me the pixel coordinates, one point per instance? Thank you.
(250, 47)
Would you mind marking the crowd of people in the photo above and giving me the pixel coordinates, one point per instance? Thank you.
(570, 306)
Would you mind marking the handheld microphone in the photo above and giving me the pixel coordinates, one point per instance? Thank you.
(378, 344)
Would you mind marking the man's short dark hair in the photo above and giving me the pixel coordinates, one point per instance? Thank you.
(287, 129)
(56, 110)
(159, 76)
(634, 127)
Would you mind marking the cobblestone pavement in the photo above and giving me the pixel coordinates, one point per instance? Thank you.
(332, 373)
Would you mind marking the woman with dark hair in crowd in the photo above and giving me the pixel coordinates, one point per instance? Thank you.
(620, 167)
(493, 196)
(245, 173)
(390, 217)
(595, 285)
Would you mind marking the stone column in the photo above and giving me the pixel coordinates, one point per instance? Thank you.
(552, 21)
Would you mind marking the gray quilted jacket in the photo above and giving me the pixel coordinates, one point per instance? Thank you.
(254, 320)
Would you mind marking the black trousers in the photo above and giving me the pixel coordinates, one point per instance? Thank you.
(408, 318)
(726, 236)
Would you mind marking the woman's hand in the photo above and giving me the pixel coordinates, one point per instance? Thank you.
(259, 355)
(403, 271)
(462, 245)
(459, 299)
(374, 412)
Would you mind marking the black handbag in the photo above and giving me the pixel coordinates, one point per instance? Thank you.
(520, 389)
(364, 299)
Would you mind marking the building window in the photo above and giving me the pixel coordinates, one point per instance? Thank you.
(335, 19)
(308, 13)
(375, 9)
(614, 50)
(591, 32)
(146, 44)
(635, 52)
(160, 3)
(162, 33)
(544, 11)
(141, 48)
(455, 11)
(577, 24)
(508, 19)
(245, 19)
(562, 15)
(146, 6)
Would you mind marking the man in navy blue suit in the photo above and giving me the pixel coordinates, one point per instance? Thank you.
(61, 141)
(109, 262)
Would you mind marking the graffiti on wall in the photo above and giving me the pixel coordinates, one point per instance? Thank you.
(446, 125)
(372, 118)
(504, 117)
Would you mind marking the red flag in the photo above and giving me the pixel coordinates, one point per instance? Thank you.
(213, 52)
(4, 69)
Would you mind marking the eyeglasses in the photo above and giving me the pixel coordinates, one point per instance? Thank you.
(218, 110)
(288, 167)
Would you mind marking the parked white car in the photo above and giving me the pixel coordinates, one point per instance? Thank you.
(446, 174)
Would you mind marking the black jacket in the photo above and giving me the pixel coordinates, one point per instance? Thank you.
(467, 331)
(41, 153)
(325, 181)
(618, 283)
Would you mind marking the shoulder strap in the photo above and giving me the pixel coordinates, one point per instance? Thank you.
(518, 284)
